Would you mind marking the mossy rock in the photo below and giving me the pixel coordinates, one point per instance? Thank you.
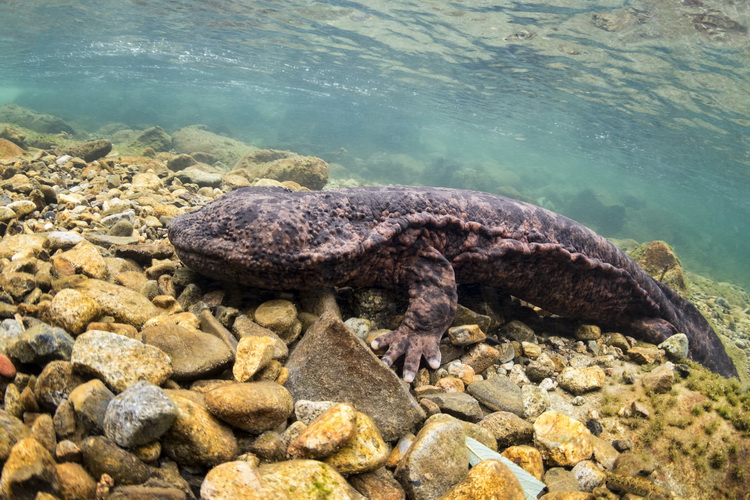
(14, 135)
(197, 138)
(155, 138)
(308, 171)
(658, 259)
(38, 122)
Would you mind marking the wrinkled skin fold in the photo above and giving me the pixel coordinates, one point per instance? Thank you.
(426, 241)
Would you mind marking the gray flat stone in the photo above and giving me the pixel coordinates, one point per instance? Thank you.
(458, 404)
(498, 394)
(331, 364)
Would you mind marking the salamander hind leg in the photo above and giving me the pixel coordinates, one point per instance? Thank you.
(431, 283)
(653, 330)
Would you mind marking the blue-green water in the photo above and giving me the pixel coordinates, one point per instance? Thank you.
(631, 116)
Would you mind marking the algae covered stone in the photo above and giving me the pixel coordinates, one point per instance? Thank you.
(562, 440)
(581, 380)
(127, 306)
(658, 259)
(308, 171)
(485, 481)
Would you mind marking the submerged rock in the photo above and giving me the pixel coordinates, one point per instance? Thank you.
(364, 452)
(12, 430)
(193, 354)
(196, 438)
(89, 151)
(155, 138)
(118, 360)
(484, 481)
(197, 138)
(30, 469)
(253, 407)
(436, 461)
(200, 174)
(331, 364)
(676, 347)
(102, 456)
(9, 150)
(658, 259)
(139, 415)
(38, 122)
(326, 434)
(564, 441)
(307, 171)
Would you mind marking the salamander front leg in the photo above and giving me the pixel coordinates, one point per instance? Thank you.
(431, 283)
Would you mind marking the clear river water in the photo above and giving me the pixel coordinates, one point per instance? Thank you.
(631, 116)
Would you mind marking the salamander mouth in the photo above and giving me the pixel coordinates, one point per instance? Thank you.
(183, 235)
(208, 264)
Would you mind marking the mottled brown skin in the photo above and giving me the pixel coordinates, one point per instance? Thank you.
(426, 240)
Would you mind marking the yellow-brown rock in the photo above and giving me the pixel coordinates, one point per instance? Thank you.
(126, 305)
(8, 150)
(84, 258)
(308, 171)
(306, 479)
(658, 259)
(253, 354)
(238, 479)
(562, 440)
(196, 437)
(75, 482)
(326, 434)
(279, 316)
(73, 310)
(291, 479)
(488, 480)
(21, 244)
(526, 457)
(464, 335)
(146, 181)
(30, 469)
(568, 495)
(119, 361)
(253, 407)
(365, 452)
(578, 381)
(378, 485)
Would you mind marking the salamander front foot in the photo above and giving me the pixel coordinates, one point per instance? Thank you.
(413, 346)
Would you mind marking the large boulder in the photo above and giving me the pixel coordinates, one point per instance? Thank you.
(197, 138)
(308, 171)
(658, 259)
(89, 151)
(38, 122)
(155, 138)
(331, 364)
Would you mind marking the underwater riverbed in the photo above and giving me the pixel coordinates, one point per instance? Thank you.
(629, 116)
